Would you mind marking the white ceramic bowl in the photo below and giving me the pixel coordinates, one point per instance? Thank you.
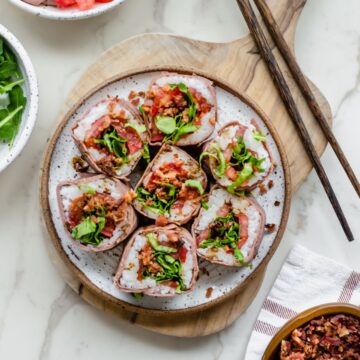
(30, 87)
(52, 12)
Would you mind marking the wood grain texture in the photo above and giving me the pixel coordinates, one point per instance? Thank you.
(300, 79)
(240, 65)
(284, 91)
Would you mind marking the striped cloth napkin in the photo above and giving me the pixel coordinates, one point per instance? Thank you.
(305, 280)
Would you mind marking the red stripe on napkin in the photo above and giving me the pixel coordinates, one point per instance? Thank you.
(265, 328)
(351, 284)
(278, 309)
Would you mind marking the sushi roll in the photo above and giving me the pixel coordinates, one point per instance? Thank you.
(230, 230)
(96, 212)
(171, 188)
(158, 261)
(180, 109)
(112, 137)
(238, 157)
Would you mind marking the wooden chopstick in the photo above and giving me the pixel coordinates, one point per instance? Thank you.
(304, 87)
(293, 111)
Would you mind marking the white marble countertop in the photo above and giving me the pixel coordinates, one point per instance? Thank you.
(40, 317)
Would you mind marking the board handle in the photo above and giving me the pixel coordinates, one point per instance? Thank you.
(287, 18)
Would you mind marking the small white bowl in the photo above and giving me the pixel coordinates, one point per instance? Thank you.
(30, 87)
(52, 12)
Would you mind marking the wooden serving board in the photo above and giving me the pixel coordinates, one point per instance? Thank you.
(240, 65)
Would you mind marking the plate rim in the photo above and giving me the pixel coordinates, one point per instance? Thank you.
(65, 15)
(44, 190)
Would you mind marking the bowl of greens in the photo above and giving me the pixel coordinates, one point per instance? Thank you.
(18, 97)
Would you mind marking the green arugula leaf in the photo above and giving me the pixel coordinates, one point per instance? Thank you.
(8, 87)
(146, 153)
(7, 70)
(86, 227)
(183, 88)
(244, 174)
(165, 124)
(10, 116)
(195, 184)
(204, 204)
(87, 188)
(225, 231)
(140, 108)
(171, 187)
(155, 245)
(259, 136)
(88, 232)
(175, 128)
(186, 129)
(218, 157)
(12, 99)
(115, 144)
(241, 155)
(151, 202)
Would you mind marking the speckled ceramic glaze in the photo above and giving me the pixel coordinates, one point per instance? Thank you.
(51, 12)
(30, 87)
(99, 268)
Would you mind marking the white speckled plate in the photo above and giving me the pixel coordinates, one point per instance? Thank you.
(52, 12)
(30, 88)
(96, 270)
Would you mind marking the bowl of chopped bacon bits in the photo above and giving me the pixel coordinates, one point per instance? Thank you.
(67, 9)
(330, 331)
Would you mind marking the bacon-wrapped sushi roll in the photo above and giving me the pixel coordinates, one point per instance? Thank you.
(230, 230)
(96, 212)
(112, 137)
(158, 261)
(170, 189)
(180, 109)
(238, 157)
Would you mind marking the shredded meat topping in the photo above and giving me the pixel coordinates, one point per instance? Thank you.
(335, 337)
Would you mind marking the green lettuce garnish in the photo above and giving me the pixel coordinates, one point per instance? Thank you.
(222, 234)
(176, 127)
(88, 232)
(171, 267)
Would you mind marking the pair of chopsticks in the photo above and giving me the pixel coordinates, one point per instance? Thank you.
(283, 88)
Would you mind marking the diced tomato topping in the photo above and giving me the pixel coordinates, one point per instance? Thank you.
(175, 92)
(182, 254)
(107, 232)
(161, 221)
(135, 102)
(203, 236)
(103, 1)
(157, 137)
(227, 153)
(173, 284)
(154, 110)
(231, 173)
(133, 143)
(230, 251)
(85, 4)
(65, 3)
(244, 228)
